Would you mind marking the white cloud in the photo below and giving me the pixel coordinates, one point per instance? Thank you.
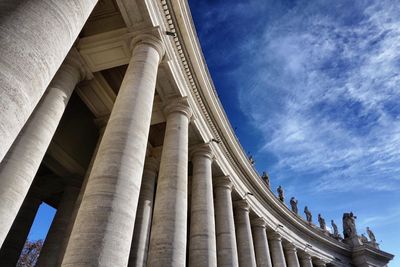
(330, 91)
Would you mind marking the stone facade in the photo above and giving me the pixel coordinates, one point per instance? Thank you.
(108, 114)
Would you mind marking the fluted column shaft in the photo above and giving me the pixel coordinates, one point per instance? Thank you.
(202, 246)
(169, 227)
(305, 260)
(107, 213)
(291, 255)
(227, 254)
(263, 257)
(141, 233)
(19, 167)
(52, 246)
(277, 255)
(244, 237)
(35, 37)
(14, 243)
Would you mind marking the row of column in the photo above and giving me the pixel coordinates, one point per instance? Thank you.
(117, 222)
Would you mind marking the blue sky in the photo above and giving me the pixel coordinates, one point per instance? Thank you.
(312, 89)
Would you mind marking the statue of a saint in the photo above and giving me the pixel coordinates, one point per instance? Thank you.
(252, 161)
(335, 229)
(321, 221)
(281, 194)
(371, 235)
(349, 225)
(308, 214)
(265, 178)
(293, 204)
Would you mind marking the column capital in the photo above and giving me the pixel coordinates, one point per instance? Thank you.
(74, 60)
(151, 163)
(180, 105)
(304, 256)
(202, 150)
(242, 205)
(223, 182)
(150, 37)
(289, 247)
(259, 222)
(275, 236)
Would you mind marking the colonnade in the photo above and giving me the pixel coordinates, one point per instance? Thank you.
(132, 208)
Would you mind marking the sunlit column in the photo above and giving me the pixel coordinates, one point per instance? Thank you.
(19, 167)
(107, 213)
(169, 228)
(244, 237)
(35, 37)
(305, 260)
(202, 246)
(291, 255)
(261, 246)
(275, 244)
(227, 254)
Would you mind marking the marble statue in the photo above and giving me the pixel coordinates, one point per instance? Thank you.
(335, 229)
(349, 225)
(251, 159)
(265, 178)
(293, 204)
(308, 214)
(371, 235)
(321, 221)
(281, 194)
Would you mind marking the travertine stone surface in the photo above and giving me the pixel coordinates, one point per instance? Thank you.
(14, 243)
(227, 254)
(52, 246)
(318, 263)
(202, 242)
(169, 227)
(244, 236)
(107, 213)
(276, 249)
(291, 255)
(141, 233)
(35, 37)
(22, 161)
(305, 260)
(261, 247)
(79, 198)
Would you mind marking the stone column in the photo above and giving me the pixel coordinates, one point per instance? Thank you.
(52, 247)
(319, 263)
(106, 216)
(202, 244)
(169, 228)
(227, 254)
(244, 237)
(16, 238)
(275, 244)
(19, 167)
(35, 37)
(263, 257)
(141, 233)
(81, 192)
(291, 255)
(305, 260)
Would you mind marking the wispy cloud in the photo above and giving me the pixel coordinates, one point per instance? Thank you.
(325, 93)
